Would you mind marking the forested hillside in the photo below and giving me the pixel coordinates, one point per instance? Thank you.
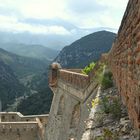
(10, 87)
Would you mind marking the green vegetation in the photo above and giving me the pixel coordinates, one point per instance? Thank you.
(109, 105)
(88, 68)
(107, 135)
(22, 66)
(20, 76)
(115, 108)
(38, 103)
(104, 78)
(107, 81)
(10, 87)
(106, 105)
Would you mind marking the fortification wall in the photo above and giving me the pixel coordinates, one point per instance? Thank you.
(124, 59)
(20, 131)
(73, 91)
(14, 125)
(18, 117)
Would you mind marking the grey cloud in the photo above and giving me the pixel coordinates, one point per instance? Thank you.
(49, 22)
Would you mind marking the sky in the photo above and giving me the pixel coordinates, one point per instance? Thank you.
(61, 17)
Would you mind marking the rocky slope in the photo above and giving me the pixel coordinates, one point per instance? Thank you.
(87, 49)
(108, 119)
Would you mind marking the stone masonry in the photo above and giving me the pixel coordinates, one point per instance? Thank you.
(73, 91)
(124, 59)
(15, 126)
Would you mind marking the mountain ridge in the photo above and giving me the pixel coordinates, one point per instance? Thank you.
(22, 65)
(89, 48)
(32, 51)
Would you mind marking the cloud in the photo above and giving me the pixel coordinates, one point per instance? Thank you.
(49, 22)
(59, 16)
(96, 13)
(12, 24)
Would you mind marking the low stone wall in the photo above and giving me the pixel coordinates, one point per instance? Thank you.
(18, 117)
(75, 70)
(78, 80)
(124, 59)
(19, 130)
(14, 125)
(43, 118)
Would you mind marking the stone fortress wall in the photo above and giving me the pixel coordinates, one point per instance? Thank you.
(15, 126)
(73, 92)
(124, 59)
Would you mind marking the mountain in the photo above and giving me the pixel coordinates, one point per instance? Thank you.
(23, 66)
(10, 87)
(87, 49)
(33, 51)
(21, 76)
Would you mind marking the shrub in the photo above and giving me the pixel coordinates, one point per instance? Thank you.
(105, 104)
(115, 108)
(108, 135)
(88, 68)
(111, 105)
(106, 80)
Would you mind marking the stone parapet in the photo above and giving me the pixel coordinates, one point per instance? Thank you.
(14, 125)
(74, 82)
(78, 80)
(17, 126)
(18, 117)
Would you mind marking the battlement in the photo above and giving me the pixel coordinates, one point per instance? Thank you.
(18, 126)
(18, 117)
(26, 127)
